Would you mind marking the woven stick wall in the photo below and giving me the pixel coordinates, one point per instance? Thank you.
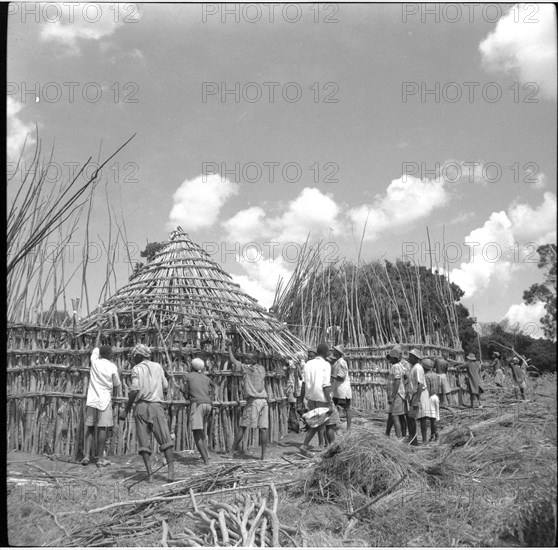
(48, 375)
(47, 379)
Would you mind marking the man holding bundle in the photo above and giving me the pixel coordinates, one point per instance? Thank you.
(199, 390)
(256, 412)
(147, 391)
(103, 378)
(317, 390)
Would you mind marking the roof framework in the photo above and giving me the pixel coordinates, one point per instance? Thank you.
(182, 289)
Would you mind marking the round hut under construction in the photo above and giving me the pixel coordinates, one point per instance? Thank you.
(181, 304)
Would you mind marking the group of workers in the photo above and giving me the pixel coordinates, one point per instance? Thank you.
(147, 393)
(317, 379)
(417, 388)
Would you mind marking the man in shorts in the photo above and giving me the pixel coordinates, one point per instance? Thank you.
(341, 383)
(103, 377)
(199, 390)
(147, 391)
(256, 412)
(317, 390)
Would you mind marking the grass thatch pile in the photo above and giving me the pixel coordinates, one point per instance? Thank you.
(490, 482)
(361, 466)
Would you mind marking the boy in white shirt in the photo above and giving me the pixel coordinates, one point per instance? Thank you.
(103, 377)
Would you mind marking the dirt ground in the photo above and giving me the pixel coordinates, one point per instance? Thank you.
(50, 498)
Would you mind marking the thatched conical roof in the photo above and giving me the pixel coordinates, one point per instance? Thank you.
(182, 289)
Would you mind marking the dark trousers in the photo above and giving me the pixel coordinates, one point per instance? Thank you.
(402, 421)
(412, 423)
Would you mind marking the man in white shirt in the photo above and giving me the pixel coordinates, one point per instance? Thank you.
(317, 390)
(103, 377)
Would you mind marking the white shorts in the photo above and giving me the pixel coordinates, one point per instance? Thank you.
(96, 417)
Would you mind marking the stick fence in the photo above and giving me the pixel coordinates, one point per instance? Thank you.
(48, 374)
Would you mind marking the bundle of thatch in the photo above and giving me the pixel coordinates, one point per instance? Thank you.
(362, 465)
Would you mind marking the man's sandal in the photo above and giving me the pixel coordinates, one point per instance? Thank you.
(85, 461)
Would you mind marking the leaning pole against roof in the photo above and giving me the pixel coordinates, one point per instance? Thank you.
(182, 304)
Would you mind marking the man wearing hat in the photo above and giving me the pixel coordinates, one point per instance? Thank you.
(419, 399)
(474, 382)
(199, 390)
(518, 376)
(341, 383)
(148, 384)
(397, 406)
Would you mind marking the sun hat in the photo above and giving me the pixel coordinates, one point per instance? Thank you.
(143, 350)
(339, 349)
(471, 357)
(416, 353)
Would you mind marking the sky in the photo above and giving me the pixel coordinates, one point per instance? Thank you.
(259, 126)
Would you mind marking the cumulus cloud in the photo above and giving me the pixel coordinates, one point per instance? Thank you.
(536, 224)
(18, 131)
(246, 225)
(406, 200)
(66, 24)
(485, 247)
(524, 45)
(311, 212)
(262, 277)
(495, 250)
(197, 203)
(526, 318)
